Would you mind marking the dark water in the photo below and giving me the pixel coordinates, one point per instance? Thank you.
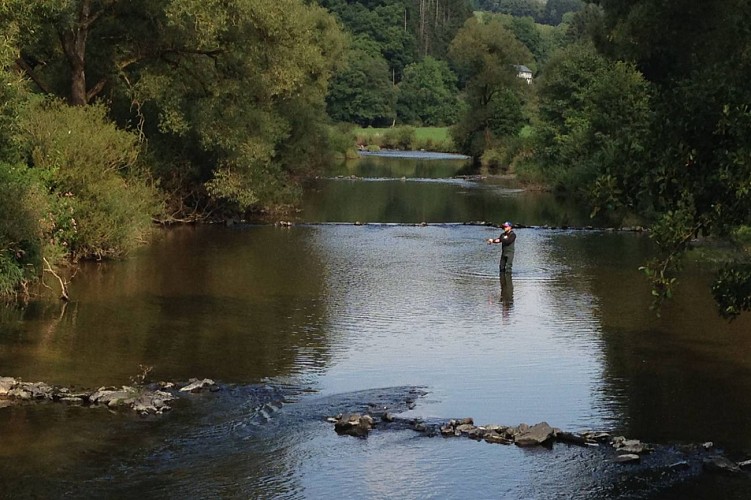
(303, 322)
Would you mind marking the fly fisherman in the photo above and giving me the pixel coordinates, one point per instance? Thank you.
(506, 239)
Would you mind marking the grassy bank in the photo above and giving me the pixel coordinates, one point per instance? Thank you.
(405, 137)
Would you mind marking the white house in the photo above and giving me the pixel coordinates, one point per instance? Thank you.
(523, 72)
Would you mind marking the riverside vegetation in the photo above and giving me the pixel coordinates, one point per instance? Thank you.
(115, 114)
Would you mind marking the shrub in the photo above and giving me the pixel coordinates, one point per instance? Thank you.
(399, 137)
(341, 140)
(102, 205)
(22, 207)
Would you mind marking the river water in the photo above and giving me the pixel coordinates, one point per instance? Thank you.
(359, 301)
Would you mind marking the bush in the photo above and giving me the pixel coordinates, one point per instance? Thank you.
(341, 140)
(399, 137)
(102, 205)
(22, 207)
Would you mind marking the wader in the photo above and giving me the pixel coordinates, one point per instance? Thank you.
(507, 259)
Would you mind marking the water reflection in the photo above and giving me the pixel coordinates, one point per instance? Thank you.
(387, 190)
(507, 294)
(373, 166)
(236, 304)
(433, 201)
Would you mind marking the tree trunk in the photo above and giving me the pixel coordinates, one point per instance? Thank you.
(73, 41)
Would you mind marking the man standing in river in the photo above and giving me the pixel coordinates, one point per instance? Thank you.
(506, 239)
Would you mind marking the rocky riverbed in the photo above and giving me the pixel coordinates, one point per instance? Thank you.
(664, 459)
(622, 464)
(151, 399)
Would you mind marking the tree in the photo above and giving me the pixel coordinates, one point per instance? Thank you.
(436, 23)
(23, 202)
(75, 49)
(695, 181)
(362, 92)
(404, 30)
(428, 94)
(485, 55)
(556, 9)
(516, 8)
(216, 88)
(100, 203)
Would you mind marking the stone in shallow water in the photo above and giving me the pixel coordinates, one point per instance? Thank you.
(354, 424)
(495, 438)
(632, 446)
(198, 385)
(6, 384)
(535, 435)
(720, 464)
(627, 458)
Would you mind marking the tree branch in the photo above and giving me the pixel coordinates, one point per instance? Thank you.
(26, 68)
(96, 89)
(63, 285)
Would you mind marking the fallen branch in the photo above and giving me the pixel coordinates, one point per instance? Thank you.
(63, 284)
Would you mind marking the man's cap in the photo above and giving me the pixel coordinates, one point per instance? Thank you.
(507, 224)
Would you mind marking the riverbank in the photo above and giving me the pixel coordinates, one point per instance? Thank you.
(405, 137)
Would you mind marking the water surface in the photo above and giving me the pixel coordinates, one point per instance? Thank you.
(300, 322)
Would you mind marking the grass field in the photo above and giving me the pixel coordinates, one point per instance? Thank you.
(421, 133)
(428, 138)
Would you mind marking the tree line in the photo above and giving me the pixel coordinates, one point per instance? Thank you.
(116, 113)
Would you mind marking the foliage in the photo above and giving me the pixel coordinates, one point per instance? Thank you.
(420, 138)
(222, 91)
(506, 154)
(427, 94)
(381, 24)
(390, 36)
(403, 30)
(485, 55)
(545, 11)
(399, 137)
(526, 31)
(593, 123)
(556, 9)
(341, 142)
(100, 205)
(695, 180)
(516, 8)
(22, 206)
(732, 289)
(362, 92)
(22, 198)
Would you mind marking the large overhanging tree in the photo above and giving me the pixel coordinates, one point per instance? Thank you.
(220, 90)
(697, 177)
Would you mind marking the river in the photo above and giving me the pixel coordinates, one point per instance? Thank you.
(378, 289)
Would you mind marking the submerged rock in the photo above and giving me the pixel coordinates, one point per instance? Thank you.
(720, 464)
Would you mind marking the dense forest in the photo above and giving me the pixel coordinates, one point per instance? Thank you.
(117, 114)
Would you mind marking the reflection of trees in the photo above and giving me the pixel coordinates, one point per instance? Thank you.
(234, 305)
(433, 201)
(375, 166)
(683, 376)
